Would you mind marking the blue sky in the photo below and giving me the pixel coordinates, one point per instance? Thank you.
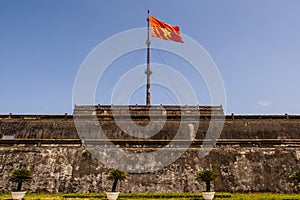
(254, 43)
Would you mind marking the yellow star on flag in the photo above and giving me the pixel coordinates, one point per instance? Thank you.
(166, 32)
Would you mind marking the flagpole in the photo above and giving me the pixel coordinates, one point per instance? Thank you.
(148, 72)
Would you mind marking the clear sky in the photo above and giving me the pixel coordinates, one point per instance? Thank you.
(254, 43)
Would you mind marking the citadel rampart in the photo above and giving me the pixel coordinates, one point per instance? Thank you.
(254, 152)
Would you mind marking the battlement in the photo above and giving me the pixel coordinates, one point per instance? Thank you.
(140, 112)
(70, 116)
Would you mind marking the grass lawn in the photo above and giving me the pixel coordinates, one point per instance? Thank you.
(170, 196)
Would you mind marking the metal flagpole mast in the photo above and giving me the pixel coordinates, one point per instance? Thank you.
(148, 71)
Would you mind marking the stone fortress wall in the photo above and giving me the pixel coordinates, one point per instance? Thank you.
(255, 153)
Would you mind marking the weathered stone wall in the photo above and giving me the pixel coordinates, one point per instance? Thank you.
(241, 127)
(62, 169)
(38, 128)
(73, 169)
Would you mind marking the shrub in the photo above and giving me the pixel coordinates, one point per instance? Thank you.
(19, 176)
(116, 175)
(295, 176)
(206, 176)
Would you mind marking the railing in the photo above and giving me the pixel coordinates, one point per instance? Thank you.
(35, 116)
(70, 117)
(39, 142)
(149, 142)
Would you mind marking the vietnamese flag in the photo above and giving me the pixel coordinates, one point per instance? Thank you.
(165, 31)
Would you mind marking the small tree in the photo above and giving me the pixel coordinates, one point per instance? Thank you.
(116, 175)
(19, 176)
(296, 176)
(206, 176)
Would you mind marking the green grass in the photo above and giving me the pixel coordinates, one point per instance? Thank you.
(265, 196)
(152, 196)
(35, 196)
(149, 196)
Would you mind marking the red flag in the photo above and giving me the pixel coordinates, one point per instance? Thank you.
(165, 31)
